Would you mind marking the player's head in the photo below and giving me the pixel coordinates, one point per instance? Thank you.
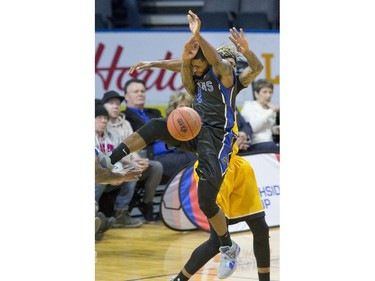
(199, 64)
(228, 53)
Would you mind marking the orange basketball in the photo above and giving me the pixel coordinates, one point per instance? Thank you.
(184, 123)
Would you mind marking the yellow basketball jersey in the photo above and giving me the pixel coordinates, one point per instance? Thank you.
(239, 195)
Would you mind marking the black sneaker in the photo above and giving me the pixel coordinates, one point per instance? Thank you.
(147, 210)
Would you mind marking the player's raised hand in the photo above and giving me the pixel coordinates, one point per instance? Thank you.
(194, 23)
(140, 65)
(190, 49)
(239, 40)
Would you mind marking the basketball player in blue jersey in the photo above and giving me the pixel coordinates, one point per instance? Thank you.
(214, 99)
(211, 81)
(239, 179)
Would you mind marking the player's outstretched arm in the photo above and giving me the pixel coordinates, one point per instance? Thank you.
(172, 65)
(221, 67)
(190, 50)
(255, 67)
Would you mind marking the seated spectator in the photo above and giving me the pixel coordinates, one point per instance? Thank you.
(181, 99)
(261, 115)
(178, 99)
(152, 171)
(137, 114)
(106, 140)
(106, 176)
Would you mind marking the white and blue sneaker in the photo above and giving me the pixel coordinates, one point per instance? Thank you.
(104, 160)
(228, 260)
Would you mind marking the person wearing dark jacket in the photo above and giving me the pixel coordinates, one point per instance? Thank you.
(173, 160)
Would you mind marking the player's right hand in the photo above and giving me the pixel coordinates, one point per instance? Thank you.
(139, 65)
(239, 40)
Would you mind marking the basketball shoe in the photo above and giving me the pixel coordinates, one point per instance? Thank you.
(104, 160)
(228, 260)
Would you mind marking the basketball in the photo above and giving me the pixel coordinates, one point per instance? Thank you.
(184, 123)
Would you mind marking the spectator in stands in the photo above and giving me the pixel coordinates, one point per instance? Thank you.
(261, 115)
(106, 140)
(178, 99)
(152, 171)
(105, 176)
(173, 160)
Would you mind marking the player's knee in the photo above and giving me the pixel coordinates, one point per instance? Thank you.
(260, 229)
(207, 193)
(208, 207)
(209, 170)
(153, 130)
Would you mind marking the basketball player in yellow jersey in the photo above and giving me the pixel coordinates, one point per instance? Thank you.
(240, 200)
(239, 195)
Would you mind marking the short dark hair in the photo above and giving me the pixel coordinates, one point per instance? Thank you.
(133, 80)
(200, 55)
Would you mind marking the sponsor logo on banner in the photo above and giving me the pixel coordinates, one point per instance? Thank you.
(266, 192)
(267, 172)
(113, 72)
(117, 52)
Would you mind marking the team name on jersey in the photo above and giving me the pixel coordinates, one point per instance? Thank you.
(206, 86)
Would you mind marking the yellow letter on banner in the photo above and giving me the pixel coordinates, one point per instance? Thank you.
(267, 67)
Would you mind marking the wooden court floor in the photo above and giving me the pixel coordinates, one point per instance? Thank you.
(155, 252)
